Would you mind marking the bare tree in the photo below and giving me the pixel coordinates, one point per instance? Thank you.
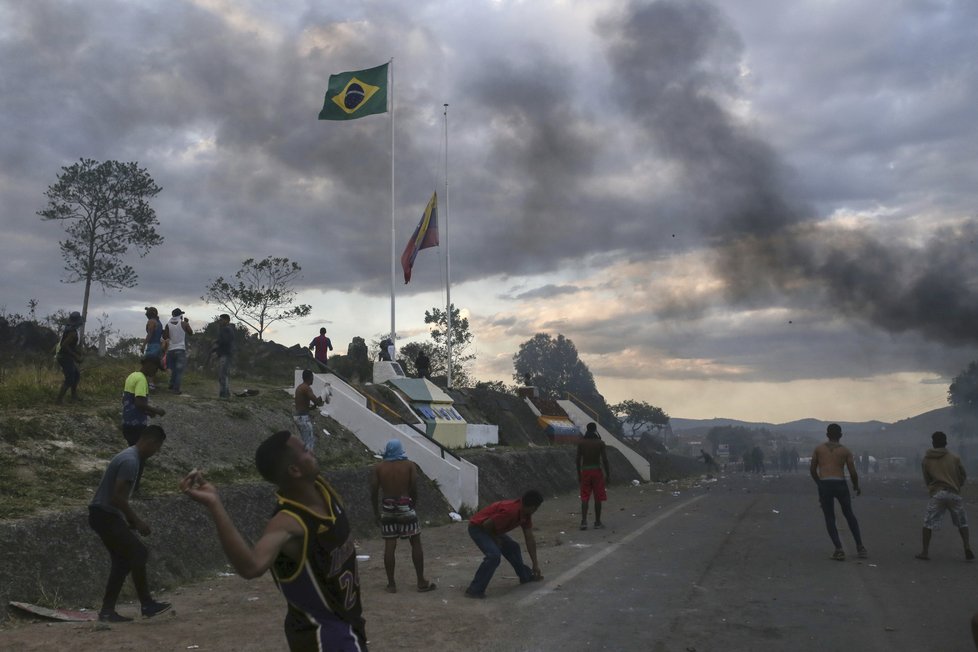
(260, 294)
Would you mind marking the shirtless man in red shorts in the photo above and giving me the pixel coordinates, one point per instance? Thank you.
(591, 456)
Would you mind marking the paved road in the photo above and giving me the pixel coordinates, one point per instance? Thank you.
(745, 566)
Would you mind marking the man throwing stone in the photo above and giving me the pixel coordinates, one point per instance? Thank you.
(113, 519)
(394, 497)
(944, 476)
(307, 545)
(829, 462)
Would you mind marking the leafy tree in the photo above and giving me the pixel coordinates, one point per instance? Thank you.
(553, 365)
(260, 294)
(106, 211)
(962, 394)
(437, 348)
(641, 416)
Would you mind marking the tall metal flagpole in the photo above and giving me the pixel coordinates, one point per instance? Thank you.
(448, 260)
(390, 88)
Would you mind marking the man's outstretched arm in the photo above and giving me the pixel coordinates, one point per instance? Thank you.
(248, 562)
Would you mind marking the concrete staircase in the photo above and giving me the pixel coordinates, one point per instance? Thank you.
(458, 479)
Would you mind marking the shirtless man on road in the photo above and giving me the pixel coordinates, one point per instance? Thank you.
(591, 457)
(829, 462)
(394, 495)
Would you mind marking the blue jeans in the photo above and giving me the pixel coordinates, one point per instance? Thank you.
(828, 492)
(224, 375)
(176, 361)
(493, 553)
(306, 431)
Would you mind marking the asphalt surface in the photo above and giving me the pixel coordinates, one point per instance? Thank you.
(745, 565)
(737, 564)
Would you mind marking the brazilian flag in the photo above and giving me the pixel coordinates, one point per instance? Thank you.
(352, 95)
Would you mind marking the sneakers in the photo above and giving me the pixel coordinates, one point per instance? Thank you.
(598, 525)
(968, 555)
(478, 596)
(112, 617)
(862, 553)
(155, 608)
(583, 526)
(838, 555)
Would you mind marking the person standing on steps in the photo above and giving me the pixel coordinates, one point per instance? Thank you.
(394, 498)
(305, 400)
(591, 456)
(423, 365)
(944, 476)
(830, 459)
(322, 345)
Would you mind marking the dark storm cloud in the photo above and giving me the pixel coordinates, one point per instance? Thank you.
(567, 154)
(106, 81)
(674, 62)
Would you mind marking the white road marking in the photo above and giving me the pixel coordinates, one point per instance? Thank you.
(553, 585)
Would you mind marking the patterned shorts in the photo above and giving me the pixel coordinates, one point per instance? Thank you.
(398, 519)
(940, 502)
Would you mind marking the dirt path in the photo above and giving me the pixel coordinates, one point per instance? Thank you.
(228, 613)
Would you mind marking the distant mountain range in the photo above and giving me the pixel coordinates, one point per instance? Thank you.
(911, 433)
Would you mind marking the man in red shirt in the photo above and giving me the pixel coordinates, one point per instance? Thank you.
(322, 345)
(488, 529)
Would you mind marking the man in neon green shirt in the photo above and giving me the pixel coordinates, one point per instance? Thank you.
(136, 409)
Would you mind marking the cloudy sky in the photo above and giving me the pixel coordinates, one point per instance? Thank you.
(762, 210)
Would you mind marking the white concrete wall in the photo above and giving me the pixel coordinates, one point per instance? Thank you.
(481, 434)
(581, 419)
(457, 479)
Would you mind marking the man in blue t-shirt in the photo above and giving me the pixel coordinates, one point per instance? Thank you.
(113, 519)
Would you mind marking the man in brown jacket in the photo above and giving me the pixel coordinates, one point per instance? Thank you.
(944, 476)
